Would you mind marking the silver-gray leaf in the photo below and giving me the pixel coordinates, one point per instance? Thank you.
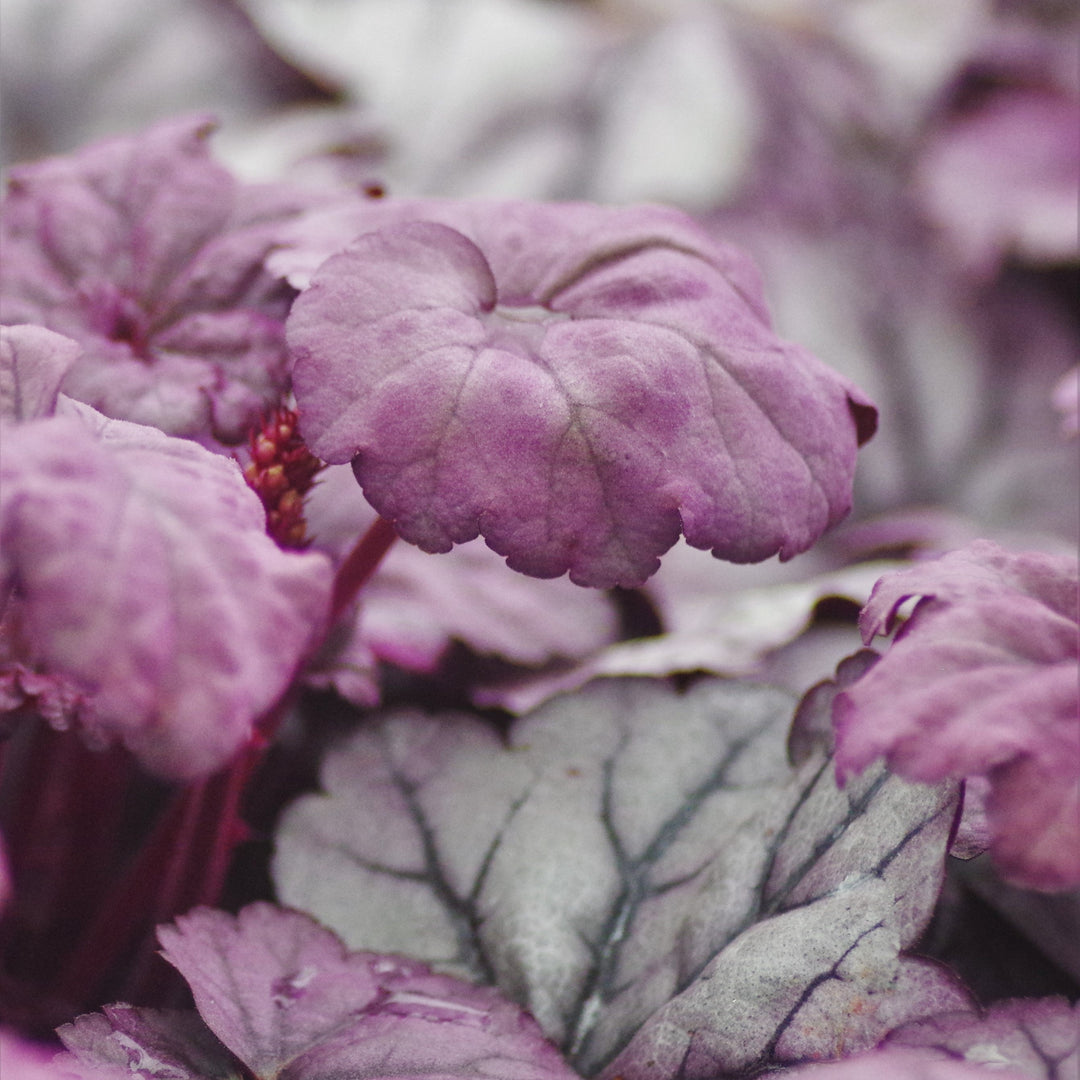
(641, 869)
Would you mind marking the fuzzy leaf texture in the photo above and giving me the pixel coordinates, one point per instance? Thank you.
(282, 995)
(143, 573)
(641, 870)
(149, 254)
(982, 679)
(33, 363)
(577, 384)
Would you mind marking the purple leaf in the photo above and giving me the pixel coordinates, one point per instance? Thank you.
(122, 1041)
(642, 870)
(1038, 1037)
(282, 993)
(33, 362)
(577, 384)
(142, 250)
(24, 1060)
(981, 680)
(896, 1063)
(1022, 144)
(1066, 401)
(143, 573)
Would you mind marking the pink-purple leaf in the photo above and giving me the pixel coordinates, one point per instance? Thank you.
(577, 384)
(122, 1041)
(280, 996)
(1023, 146)
(143, 574)
(1038, 1037)
(640, 869)
(901, 1063)
(33, 363)
(981, 680)
(149, 254)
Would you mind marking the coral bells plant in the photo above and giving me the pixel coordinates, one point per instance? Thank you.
(305, 493)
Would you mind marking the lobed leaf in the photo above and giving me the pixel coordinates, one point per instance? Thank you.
(149, 254)
(981, 680)
(287, 999)
(577, 384)
(642, 870)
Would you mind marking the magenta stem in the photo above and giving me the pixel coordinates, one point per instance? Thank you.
(360, 564)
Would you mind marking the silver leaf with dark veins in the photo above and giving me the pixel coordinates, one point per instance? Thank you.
(641, 869)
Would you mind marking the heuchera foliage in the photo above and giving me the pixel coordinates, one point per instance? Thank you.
(982, 679)
(578, 384)
(148, 253)
(222, 401)
(136, 567)
(278, 995)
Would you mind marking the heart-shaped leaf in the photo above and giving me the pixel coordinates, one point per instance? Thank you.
(642, 870)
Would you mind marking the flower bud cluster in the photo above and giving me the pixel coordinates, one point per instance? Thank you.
(281, 472)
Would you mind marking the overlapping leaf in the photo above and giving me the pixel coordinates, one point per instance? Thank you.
(577, 384)
(1040, 1037)
(148, 253)
(415, 605)
(642, 870)
(281, 995)
(143, 573)
(981, 680)
(33, 362)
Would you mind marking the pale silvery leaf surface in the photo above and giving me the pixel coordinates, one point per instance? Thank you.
(981, 680)
(578, 384)
(415, 605)
(527, 99)
(481, 98)
(280, 996)
(142, 571)
(627, 847)
(1038, 1037)
(148, 253)
(33, 362)
(75, 71)
(710, 624)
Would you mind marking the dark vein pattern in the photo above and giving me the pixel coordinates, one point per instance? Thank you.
(642, 870)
